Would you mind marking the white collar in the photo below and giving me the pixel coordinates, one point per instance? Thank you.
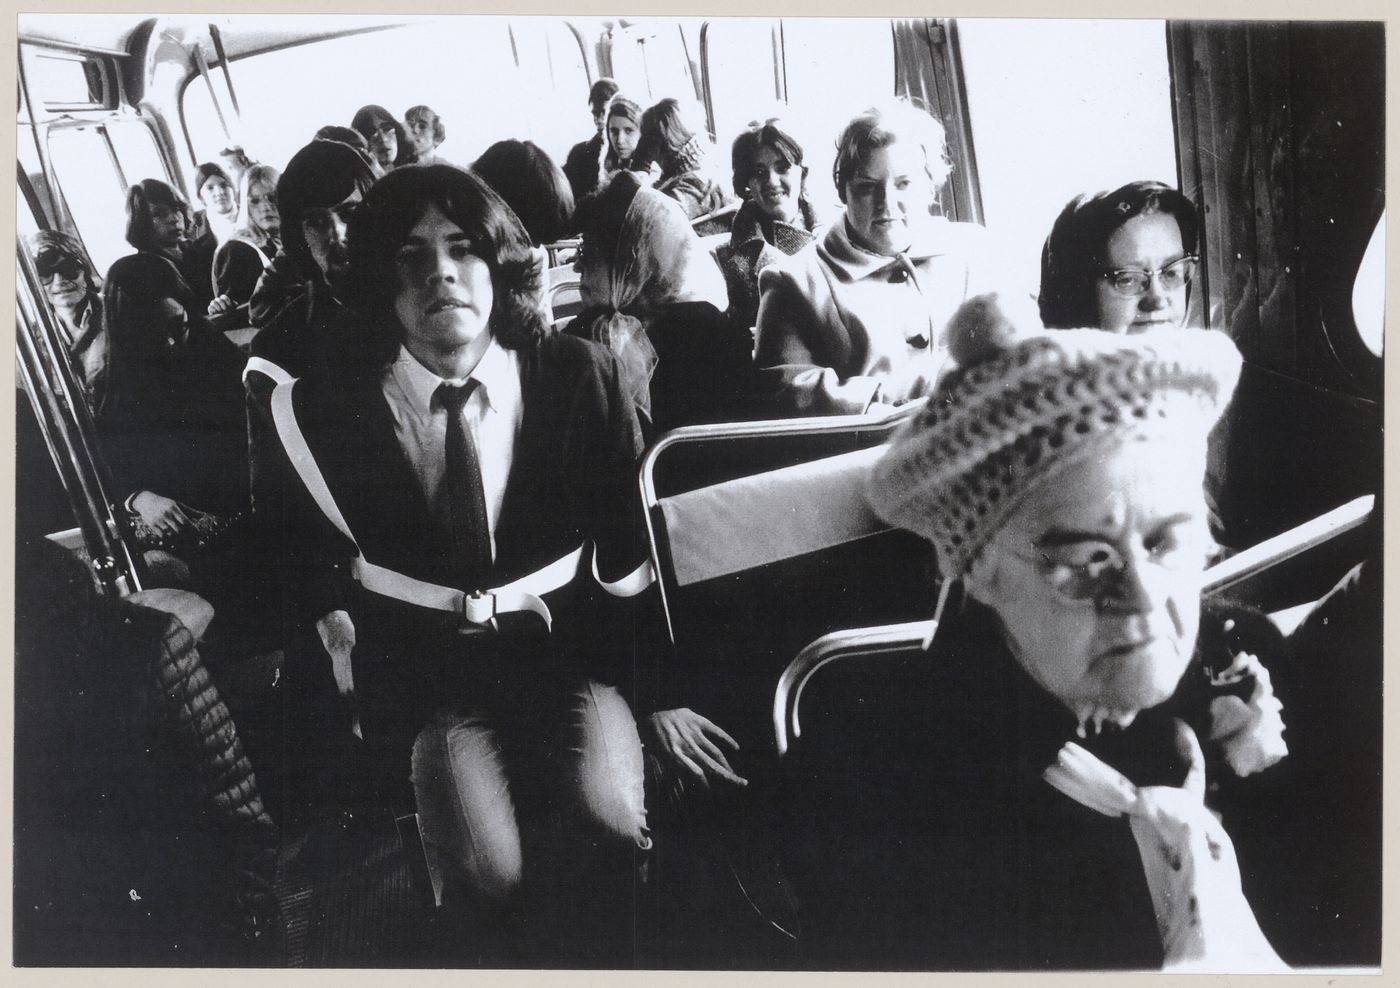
(495, 372)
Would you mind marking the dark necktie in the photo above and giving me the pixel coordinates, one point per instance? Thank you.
(466, 499)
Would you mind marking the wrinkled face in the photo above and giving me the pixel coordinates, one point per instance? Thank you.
(888, 196)
(217, 196)
(445, 292)
(262, 208)
(167, 225)
(63, 279)
(324, 231)
(420, 133)
(622, 137)
(1147, 242)
(1097, 577)
(775, 184)
(384, 144)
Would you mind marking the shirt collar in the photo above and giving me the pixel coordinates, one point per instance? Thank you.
(495, 372)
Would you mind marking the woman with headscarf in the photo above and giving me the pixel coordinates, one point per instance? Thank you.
(681, 152)
(216, 190)
(856, 320)
(71, 287)
(240, 261)
(655, 298)
(1082, 695)
(1122, 261)
(776, 219)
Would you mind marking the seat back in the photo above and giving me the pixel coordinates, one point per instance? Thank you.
(762, 539)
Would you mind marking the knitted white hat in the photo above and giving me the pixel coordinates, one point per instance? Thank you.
(1022, 403)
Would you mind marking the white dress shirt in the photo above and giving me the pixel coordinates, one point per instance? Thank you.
(492, 414)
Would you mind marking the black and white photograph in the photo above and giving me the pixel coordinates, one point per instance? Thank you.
(698, 493)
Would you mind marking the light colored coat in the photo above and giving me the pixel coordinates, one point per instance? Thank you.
(840, 327)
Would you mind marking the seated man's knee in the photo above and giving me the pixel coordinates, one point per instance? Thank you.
(608, 791)
(465, 812)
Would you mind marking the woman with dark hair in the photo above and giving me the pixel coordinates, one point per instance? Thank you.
(482, 451)
(388, 143)
(776, 219)
(856, 319)
(532, 185)
(623, 130)
(240, 261)
(584, 162)
(679, 149)
(72, 289)
(426, 132)
(1120, 261)
(654, 297)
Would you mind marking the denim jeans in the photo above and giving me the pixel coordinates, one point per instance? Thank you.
(486, 771)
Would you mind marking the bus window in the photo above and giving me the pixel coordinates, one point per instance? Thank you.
(462, 68)
(202, 120)
(652, 61)
(1058, 108)
(92, 188)
(814, 52)
(136, 150)
(742, 72)
(554, 80)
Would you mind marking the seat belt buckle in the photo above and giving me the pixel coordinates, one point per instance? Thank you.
(478, 610)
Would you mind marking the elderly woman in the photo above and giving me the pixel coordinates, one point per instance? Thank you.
(1121, 261)
(857, 319)
(240, 261)
(680, 150)
(1084, 695)
(532, 186)
(654, 297)
(481, 450)
(426, 132)
(72, 289)
(776, 219)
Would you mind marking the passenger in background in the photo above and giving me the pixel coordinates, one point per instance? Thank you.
(1121, 261)
(172, 426)
(624, 131)
(241, 260)
(584, 163)
(213, 188)
(157, 221)
(385, 136)
(236, 162)
(71, 287)
(681, 151)
(856, 320)
(426, 132)
(655, 298)
(532, 185)
(776, 219)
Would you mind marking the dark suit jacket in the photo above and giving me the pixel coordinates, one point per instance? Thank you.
(572, 480)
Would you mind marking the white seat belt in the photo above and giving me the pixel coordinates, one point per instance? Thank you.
(475, 608)
(267, 368)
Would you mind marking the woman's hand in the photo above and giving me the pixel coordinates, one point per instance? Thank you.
(692, 743)
(1194, 878)
(161, 514)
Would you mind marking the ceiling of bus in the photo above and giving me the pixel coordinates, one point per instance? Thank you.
(241, 35)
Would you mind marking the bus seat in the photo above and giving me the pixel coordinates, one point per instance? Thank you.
(904, 640)
(563, 253)
(565, 299)
(721, 221)
(761, 540)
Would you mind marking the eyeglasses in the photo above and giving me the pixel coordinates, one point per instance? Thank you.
(1134, 282)
(1094, 570)
(52, 261)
